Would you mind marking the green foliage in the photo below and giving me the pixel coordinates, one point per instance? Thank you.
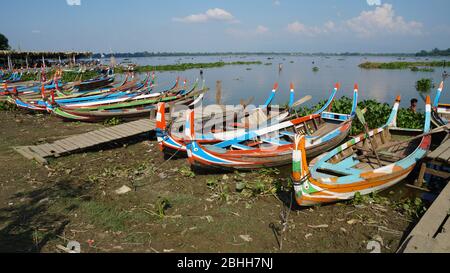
(376, 116)
(185, 66)
(4, 43)
(372, 198)
(112, 121)
(6, 106)
(70, 76)
(108, 217)
(423, 69)
(161, 205)
(403, 65)
(315, 69)
(409, 119)
(424, 85)
(412, 207)
(187, 172)
(434, 52)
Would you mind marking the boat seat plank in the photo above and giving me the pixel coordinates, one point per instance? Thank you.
(287, 133)
(344, 171)
(275, 141)
(242, 147)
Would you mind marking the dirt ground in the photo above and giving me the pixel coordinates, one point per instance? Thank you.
(170, 208)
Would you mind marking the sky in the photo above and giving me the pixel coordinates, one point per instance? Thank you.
(377, 26)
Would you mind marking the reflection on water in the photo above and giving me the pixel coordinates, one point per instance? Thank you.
(239, 83)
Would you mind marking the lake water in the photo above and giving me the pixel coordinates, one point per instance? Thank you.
(245, 81)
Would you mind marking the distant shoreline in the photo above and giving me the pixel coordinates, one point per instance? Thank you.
(145, 54)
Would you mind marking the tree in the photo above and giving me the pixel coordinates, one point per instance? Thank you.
(4, 45)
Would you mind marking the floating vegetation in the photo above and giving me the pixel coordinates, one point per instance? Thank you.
(403, 65)
(422, 69)
(376, 115)
(424, 85)
(315, 69)
(112, 121)
(185, 66)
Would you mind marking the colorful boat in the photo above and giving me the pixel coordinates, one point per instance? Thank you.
(125, 91)
(272, 145)
(171, 137)
(125, 110)
(355, 168)
(441, 111)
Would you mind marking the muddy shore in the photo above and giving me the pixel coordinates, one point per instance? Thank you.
(169, 208)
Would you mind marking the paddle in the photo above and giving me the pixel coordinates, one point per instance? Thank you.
(361, 118)
(248, 102)
(440, 129)
(301, 101)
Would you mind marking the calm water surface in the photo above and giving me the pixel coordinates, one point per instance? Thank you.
(245, 81)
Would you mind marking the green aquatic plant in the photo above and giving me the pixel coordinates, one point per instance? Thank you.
(402, 65)
(412, 207)
(112, 121)
(315, 69)
(185, 66)
(376, 115)
(422, 69)
(424, 85)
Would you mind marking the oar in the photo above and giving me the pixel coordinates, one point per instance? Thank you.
(361, 118)
(248, 102)
(298, 103)
(444, 128)
(301, 101)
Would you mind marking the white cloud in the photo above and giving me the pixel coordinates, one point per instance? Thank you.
(382, 20)
(36, 31)
(261, 29)
(299, 28)
(73, 2)
(373, 2)
(276, 3)
(211, 14)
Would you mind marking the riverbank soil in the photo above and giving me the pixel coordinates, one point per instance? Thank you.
(169, 208)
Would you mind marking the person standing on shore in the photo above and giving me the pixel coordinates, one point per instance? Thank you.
(413, 106)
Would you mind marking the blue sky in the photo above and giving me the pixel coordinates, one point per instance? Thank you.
(227, 25)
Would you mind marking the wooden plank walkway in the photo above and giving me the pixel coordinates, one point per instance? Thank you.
(432, 233)
(84, 141)
(442, 153)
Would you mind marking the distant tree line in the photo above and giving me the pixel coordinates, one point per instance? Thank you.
(423, 53)
(434, 52)
(4, 44)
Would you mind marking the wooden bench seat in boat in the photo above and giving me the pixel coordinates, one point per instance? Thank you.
(241, 147)
(344, 167)
(287, 133)
(275, 141)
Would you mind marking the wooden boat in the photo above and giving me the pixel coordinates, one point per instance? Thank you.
(126, 90)
(272, 146)
(138, 97)
(99, 82)
(354, 168)
(440, 115)
(171, 137)
(125, 110)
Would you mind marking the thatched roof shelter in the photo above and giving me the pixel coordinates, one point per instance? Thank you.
(47, 55)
